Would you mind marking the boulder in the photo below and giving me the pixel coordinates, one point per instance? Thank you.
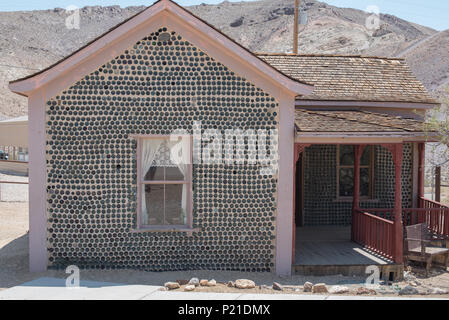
(339, 289)
(195, 282)
(319, 288)
(230, 284)
(182, 282)
(189, 287)
(408, 290)
(308, 286)
(245, 284)
(212, 283)
(408, 276)
(437, 291)
(364, 290)
(204, 282)
(172, 285)
(414, 283)
(277, 286)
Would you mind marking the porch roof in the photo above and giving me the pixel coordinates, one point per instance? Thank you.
(347, 121)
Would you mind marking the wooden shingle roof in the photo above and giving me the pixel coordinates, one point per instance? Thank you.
(354, 121)
(352, 78)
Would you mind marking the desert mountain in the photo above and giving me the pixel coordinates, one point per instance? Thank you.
(32, 40)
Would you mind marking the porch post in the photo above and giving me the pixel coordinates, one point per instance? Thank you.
(299, 148)
(421, 171)
(286, 144)
(356, 197)
(398, 237)
(396, 152)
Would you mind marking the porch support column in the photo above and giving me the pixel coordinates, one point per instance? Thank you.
(421, 170)
(286, 145)
(358, 150)
(299, 148)
(396, 151)
(38, 182)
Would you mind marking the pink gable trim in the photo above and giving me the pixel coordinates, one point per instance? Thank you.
(109, 45)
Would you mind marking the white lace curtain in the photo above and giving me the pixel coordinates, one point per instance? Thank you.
(149, 149)
(179, 156)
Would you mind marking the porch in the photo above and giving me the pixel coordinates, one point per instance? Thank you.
(372, 235)
(326, 250)
(332, 245)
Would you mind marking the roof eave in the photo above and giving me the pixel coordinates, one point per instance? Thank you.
(304, 102)
(25, 86)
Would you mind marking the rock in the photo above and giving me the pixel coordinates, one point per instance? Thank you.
(163, 289)
(437, 291)
(204, 282)
(182, 282)
(230, 284)
(363, 290)
(277, 286)
(408, 276)
(414, 283)
(172, 285)
(339, 289)
(244, 284)
(190, 287)
(408, 290)
(212, 283)
(195, 282)
(308, 286)
(319, 288)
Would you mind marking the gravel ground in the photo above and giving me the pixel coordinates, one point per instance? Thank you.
(13, 192)
(14, 266)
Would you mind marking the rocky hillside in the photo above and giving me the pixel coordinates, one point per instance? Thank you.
(32, 40)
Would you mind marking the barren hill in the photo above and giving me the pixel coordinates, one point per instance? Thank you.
(35, 39)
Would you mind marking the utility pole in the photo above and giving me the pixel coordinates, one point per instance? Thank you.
(295, 28)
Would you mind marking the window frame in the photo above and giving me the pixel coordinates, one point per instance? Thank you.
(371, 174)
(141, 182)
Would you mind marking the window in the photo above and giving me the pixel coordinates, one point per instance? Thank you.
(345, 171)
(164, 182)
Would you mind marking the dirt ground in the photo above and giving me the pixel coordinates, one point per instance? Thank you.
(14, 267)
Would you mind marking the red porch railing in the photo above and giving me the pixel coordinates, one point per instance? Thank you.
(434, 214)
(374, 232)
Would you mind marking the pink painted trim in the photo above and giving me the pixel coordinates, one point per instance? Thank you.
(242, 54)
(397, 155)
(161, 12)
(37, 184)
(421, 168)
(285, 198)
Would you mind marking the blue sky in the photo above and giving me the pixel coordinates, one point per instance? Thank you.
(432, 13)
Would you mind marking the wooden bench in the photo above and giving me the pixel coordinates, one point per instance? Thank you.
(416, 246)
